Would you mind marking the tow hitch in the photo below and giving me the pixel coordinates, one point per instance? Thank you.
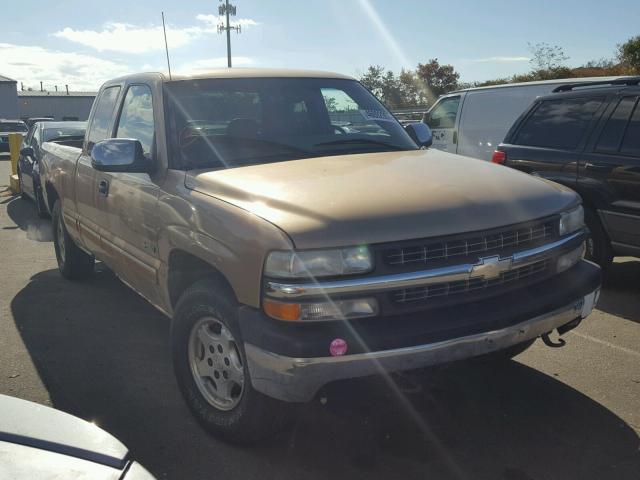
(562, 329)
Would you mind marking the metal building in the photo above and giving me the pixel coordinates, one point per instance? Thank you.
(62, 105)
(8, 98)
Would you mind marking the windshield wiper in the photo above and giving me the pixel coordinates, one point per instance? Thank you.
(356, 141)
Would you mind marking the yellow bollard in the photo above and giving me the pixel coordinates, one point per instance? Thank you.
(15, 143)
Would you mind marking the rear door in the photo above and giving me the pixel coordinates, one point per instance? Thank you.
(612, 159)
(443, 119)
(551, 137)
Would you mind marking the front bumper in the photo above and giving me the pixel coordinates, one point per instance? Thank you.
(291, 361)
(299, 379)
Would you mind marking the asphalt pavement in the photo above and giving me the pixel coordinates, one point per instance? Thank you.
(97, 350)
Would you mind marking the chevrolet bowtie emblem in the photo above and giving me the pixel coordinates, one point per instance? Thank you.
(491, 267)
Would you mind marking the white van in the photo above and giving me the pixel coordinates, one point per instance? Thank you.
(474, 121)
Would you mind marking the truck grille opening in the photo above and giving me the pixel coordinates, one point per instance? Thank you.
(475, 244)
(418, 294)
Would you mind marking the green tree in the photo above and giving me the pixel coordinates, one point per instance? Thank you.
(384, 85)
(629, 54)
(437, 79)
(372, 79)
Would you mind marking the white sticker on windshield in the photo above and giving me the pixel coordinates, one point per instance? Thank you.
(379, 115)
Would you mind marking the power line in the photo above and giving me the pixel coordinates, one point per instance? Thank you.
(227, 9)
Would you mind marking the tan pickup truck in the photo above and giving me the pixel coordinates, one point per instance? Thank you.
(297, 234)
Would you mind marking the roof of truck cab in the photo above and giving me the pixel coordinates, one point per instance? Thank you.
(558, 81)
(233, 73)
(258, 73)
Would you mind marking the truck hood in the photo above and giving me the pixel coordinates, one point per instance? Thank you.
(381, 197)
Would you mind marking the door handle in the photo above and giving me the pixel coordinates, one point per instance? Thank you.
(455, 137)
(103, 188)
(598, 167)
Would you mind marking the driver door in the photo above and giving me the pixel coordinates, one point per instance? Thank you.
(443, 119)
(129, 200)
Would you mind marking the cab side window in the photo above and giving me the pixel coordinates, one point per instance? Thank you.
(560, 123)
(614, 130)
(100, 128)
(136, 118)
(631, 140)
(444, 113)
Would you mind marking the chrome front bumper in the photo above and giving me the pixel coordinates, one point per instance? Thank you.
(299, 379)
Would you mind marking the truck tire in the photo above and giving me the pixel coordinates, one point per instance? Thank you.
(73, 263)
(598, 245)
(211, 368)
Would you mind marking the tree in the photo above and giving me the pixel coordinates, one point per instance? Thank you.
(437, 79)
(412, 89)
(372, 79)
(629, 54)
(384, 85)
(547, 57)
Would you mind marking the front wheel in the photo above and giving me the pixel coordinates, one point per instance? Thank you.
(73, 263)
(211, 369)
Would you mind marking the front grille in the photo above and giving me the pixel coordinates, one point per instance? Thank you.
(472, 245)
(417, 294)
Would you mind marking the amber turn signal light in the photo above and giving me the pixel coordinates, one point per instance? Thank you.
(281, 311)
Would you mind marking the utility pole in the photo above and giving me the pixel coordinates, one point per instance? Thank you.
(227, 9)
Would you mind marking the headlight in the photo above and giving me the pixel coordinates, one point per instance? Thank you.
(318, 263)
(571, 221)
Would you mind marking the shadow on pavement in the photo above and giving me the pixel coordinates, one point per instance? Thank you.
(103, 354)
(23, 213)
(621, 292)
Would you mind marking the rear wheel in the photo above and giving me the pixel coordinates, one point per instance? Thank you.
(73, 263)
(211, 368)
(598, 245)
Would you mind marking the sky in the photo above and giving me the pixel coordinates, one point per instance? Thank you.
(83, 43)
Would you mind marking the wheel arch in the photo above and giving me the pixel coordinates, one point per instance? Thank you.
(184, 269)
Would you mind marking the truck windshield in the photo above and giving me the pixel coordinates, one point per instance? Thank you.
(227, 123)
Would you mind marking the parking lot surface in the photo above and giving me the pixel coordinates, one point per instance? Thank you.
(99, 351)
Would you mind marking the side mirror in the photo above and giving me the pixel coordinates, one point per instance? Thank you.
(27, 151)
(420, 133)
(120, 155)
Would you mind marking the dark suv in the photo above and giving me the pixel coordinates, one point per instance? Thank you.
(587, 137)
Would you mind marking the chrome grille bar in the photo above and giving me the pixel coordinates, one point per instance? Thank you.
(417, 294)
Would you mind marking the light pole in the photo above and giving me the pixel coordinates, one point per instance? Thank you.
(227, 9)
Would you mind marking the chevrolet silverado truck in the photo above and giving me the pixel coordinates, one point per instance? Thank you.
(297, 235)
